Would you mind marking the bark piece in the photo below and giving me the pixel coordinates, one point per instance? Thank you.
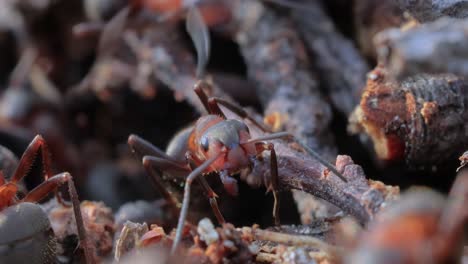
(339, 65)
(277, 63)
(422, 119)
(437, 47)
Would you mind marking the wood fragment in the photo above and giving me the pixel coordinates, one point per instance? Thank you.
(128, 238)
(340, 67)
(277, 63)
(436, 47)
(407, 120)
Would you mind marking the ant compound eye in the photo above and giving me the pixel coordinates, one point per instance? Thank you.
(204, 143)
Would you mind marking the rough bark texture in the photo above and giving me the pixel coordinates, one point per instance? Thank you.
(437, 47)
(277, 62)
(429, 10)
(339, 65)
(358, 197)
(422, 119)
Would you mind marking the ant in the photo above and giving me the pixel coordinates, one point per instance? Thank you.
(10, 188)
(217, 144)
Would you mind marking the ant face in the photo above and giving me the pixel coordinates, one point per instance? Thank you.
(228, 138)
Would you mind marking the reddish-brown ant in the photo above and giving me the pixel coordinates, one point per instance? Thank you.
(9, 190)
(215, 143)
(221, 145)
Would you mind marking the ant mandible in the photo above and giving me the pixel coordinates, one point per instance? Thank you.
(219, 145)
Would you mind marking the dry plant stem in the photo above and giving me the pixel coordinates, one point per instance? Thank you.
(84, 242)
(429, 10)
(357, 197)
(339, 65)
(423, 114)
(437, 47)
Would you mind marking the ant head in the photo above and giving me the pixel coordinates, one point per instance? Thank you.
(217, 136)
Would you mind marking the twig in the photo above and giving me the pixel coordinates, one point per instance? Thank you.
(437, 47)
(277, 62)
(339, 65)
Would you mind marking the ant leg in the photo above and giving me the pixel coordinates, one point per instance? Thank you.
(274, 181)
(27, 161)
(28, 157)
(161, 164)
(206, 188)
(238, 111)
(156, 161)
(311, 152)
(185, 203)
(53, 183)
(211, 107)
(212, 198)
(88, 249)
(46, 187)
(145, 148)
